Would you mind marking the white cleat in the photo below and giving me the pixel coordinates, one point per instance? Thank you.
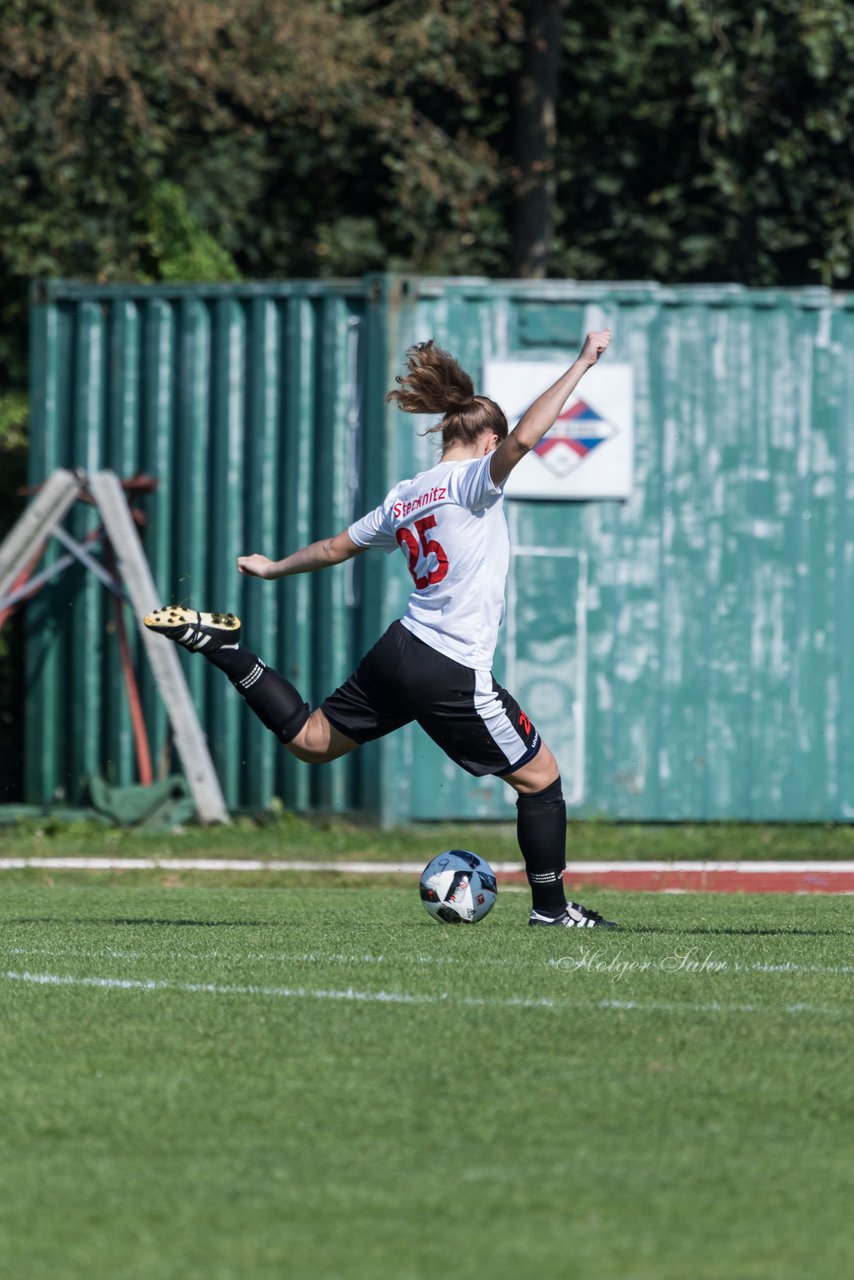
(574, 916)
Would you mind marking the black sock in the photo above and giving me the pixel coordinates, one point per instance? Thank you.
(541, 831)
(275, 701)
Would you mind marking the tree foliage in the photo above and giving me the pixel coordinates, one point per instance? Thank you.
(294, 130)
(696, 140)
(208, 139)
(182, 249)
(708, 140)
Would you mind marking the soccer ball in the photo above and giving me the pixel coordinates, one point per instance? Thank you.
(458, 887)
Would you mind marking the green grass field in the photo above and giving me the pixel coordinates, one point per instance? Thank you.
(289, 835)
(323, 1083)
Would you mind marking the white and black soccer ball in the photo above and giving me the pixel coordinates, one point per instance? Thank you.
(458, 887)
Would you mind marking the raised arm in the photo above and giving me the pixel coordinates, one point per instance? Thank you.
(318, 555)
(543, 413)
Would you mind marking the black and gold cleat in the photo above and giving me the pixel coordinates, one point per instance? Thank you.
(198, 632)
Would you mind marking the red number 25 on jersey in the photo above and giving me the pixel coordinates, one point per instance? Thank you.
(405, 537)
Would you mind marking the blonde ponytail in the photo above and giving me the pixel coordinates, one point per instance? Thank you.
(437, 383)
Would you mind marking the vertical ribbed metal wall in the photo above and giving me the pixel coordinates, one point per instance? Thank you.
(685, 652)
(244, 404)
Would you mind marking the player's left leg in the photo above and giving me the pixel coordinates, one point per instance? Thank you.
(319, 742)
(275, 701)
(361, 709)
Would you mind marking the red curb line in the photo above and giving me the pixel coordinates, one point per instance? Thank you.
(710, 881)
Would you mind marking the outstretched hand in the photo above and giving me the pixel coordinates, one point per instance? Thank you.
(256, 566)
(594, 344)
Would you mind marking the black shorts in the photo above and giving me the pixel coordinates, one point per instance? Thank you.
(465, 712)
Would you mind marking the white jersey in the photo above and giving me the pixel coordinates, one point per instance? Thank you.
(450, 525)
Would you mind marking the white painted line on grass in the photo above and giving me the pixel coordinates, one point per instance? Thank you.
(87, 953)
(335, 957)
(222, 864)
(405, 868)
(408, 998)
(790, 967)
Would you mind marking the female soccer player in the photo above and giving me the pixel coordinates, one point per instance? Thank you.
(434, 665)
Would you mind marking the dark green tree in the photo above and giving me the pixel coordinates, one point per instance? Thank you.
(707, 140)
(669, 139)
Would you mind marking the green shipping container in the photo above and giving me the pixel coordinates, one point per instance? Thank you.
(683, 651)
(244, 404)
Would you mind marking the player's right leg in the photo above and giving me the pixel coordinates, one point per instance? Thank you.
(541, 832)
(482, 727)
(276, 702)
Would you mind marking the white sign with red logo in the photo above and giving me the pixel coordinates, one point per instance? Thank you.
(588, 452)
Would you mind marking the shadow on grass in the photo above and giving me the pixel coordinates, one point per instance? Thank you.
(204, 924)
(721, 931)
(738, 933)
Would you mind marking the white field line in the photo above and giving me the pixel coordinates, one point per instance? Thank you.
(402, 868)
(255, 957)
(408, 998)
(334, 957)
